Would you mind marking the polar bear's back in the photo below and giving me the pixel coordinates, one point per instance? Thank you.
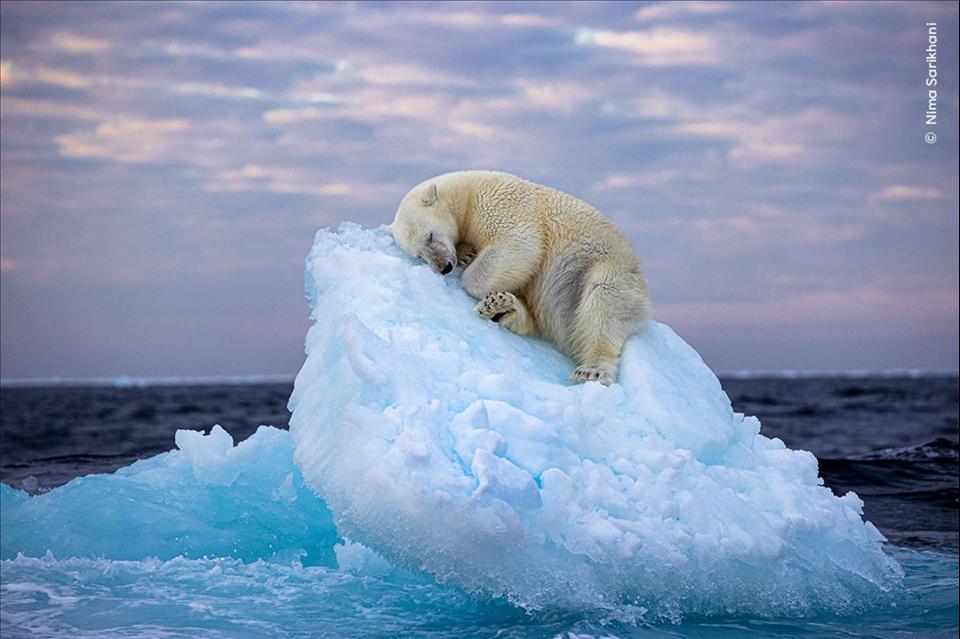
(575, 225)
(567, 222)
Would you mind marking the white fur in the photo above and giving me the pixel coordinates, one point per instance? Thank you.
(539, 260)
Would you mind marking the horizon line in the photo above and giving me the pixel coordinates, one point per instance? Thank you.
(135, 381)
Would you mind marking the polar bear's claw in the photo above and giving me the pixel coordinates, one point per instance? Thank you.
(466, 253)
(592, 374)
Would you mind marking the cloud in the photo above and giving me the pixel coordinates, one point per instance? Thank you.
(374, 105)
(617, 182)
(860, 304)
(299, 180)
(211, 89)
(900, 192)
(261, 51)
(296, 116)
(449, 117)
(785, 135)
(74, 43)
(478, 130)
(653, 103)
(35, 108)
(192, 50)
(356, 23)
(560, 97)
(58, 77)
(664, 11)
(798, 137)
(39, 74)
(717, 227)
(405, 74)
(657, 47)
(124, 139)
(6, 72)
(530, 20)
(278, 179)
(642, 179)
(442, 16)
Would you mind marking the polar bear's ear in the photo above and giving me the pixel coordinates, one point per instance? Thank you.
(430, 197)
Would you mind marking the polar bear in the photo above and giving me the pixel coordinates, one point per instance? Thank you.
(541, 262)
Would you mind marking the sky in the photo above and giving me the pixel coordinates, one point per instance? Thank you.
(164, 167)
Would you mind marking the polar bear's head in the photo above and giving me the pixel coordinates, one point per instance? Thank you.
(426, 229)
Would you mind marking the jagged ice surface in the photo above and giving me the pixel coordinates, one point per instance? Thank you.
(453, 446)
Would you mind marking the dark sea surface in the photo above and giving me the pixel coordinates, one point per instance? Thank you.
(892, 440)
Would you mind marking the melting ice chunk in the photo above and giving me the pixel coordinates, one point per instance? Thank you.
(210, 498)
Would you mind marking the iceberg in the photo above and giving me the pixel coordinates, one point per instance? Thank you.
(453, 447)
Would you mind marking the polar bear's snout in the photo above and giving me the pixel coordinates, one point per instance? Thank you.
(440, 257)
(439, 260)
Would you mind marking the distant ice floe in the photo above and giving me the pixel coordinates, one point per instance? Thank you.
(855, 373)
(127, 381)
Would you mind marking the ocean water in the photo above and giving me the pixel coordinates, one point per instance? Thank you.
(142, 552)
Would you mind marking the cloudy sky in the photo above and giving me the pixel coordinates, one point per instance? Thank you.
(164, 167)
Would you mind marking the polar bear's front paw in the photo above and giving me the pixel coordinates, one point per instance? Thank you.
(593, 374)
(466, 253)
(495, 306)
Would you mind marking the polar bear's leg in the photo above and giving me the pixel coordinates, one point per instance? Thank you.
(508, 310)
(504, 266)
(613, 306)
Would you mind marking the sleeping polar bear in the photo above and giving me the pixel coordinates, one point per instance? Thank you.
(540, 261)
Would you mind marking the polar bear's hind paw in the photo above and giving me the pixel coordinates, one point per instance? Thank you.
(592, 374)
(496, 305)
